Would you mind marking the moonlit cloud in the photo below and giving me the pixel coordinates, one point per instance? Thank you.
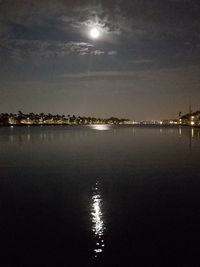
(112, 53)
(47, 49)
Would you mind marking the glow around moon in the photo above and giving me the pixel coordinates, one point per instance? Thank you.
(94, 33)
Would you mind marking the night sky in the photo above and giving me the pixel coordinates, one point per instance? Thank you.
(144, 65)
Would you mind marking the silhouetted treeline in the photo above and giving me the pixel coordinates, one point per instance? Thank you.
(34, 119)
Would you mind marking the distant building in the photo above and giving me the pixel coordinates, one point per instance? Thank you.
(192, 118)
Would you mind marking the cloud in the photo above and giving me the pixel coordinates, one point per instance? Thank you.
(97, 52)
(90, 16)
(140, 61)
(118, 20)
(58, 28)
(99, 75)
(113, 15)
(153, 75)
(48, 49)
(112, 53)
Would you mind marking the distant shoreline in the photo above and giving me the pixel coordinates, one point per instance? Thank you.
(120, 125)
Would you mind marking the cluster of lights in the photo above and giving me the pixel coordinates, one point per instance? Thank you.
(192, 123)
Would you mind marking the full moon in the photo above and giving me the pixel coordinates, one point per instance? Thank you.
(94, 33)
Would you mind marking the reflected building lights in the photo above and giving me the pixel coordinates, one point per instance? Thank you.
(98, 226)
(11, 138)
(180, 131)
(192, 132)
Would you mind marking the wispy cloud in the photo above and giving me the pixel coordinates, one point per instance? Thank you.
(154, 74)
(112, 53)
(48, 49)
(140, 61)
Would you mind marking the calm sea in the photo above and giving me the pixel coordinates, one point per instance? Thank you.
(99, 196)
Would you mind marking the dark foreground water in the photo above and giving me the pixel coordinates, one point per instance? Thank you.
(99, 196)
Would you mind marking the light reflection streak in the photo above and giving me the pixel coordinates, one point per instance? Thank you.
(98, 226)
(192, 132)
(100, 127)
(180, 131)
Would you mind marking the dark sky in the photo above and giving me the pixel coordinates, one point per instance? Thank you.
(144, 65)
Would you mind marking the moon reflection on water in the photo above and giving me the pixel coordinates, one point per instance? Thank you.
(98, 225)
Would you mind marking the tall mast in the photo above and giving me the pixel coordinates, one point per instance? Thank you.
(190, 107)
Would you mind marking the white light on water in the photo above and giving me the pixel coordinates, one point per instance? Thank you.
(192, 132)
(98, 226)
(97, 216)
(100, 127)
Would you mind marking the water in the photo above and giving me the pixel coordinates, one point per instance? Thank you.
(99, 196)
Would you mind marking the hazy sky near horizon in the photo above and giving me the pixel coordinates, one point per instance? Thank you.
(144, 65)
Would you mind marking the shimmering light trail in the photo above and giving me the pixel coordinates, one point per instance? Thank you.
(98, 226)
(100, 127)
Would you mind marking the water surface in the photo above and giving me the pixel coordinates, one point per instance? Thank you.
(99, 196)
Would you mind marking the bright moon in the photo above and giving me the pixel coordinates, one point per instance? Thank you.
(94, 33)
